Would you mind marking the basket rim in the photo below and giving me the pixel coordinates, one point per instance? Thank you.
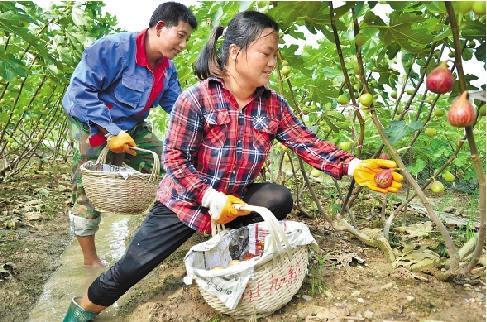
(286, 252)
(113, 174)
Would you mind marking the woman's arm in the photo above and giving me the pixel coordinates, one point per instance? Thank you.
(182, 143)
(318, 153)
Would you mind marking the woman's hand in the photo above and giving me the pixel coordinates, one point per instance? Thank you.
(221, 206)
(366, 170)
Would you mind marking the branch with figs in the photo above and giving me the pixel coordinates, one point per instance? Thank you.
(463, 114)
(439, 81)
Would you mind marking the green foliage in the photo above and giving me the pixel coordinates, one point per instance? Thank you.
(39, 52)
(400, 129)
(36, 63)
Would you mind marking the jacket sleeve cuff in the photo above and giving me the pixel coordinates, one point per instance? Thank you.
(111, 128)
(352, 165)
(203, 196)
(207, 196)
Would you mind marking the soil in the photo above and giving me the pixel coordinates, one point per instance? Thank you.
(30, 252)
(348, 281)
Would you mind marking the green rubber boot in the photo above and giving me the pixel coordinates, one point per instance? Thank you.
(77, 314)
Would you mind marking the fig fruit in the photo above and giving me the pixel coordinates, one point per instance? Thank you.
(431, 132)
(410, 91)
(383, 179)
(440, 80)
(342, 99)
(285, 63)
(438, 112)
(360, 40)
(285, 70)
(461, 113)
(356, 68)
(448, 176)
(437, 187)
(479, 8)
(462, 7)
(394, 94)
(345, 146)
(366, 99)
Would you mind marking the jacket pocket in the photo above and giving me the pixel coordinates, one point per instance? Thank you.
(264, 132)
(216, 127)
(129, 91)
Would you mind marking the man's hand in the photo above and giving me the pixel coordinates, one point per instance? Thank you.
(221, 206)
(366, 170)
(121, 143)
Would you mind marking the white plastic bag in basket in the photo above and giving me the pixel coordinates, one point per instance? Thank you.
(125, 171)
(228, 284)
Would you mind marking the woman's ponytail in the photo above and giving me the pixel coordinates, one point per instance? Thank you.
(208, 63)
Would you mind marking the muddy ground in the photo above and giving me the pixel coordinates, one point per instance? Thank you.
(348, 280)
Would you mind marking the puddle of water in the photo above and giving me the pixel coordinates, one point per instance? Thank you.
(72, 278)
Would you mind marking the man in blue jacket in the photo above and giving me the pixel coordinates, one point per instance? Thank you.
(119, 78)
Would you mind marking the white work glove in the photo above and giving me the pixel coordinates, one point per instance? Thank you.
(221, 207)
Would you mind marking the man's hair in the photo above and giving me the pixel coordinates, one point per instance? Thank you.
(172, 13)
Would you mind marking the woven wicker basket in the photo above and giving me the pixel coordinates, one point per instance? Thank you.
(272, 285)
(108, 191)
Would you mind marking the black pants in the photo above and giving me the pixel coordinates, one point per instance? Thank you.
(162, 233)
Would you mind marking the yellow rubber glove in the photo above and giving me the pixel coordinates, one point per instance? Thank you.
(366, 170)
(121, 143)
(229, 213)
(221, 206)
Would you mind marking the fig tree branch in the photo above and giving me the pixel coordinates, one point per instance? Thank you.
(477, 165)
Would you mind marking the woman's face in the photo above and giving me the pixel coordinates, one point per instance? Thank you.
(255, 65)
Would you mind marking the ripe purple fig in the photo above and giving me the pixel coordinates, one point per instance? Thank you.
(440, 80)
(383, 179)
(461, 113)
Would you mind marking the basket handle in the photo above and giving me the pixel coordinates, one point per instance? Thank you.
(277, 235)
(156, 166)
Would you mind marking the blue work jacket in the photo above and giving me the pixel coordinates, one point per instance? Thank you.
(110, 89)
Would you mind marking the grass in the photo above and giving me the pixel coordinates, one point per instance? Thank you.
(315, 281)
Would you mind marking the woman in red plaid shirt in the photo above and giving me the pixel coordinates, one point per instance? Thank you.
(220, 134)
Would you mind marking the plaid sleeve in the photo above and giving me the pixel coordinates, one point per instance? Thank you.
(181, 145)
(318, 153)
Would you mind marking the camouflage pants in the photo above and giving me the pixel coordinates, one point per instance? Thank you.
(84, 219)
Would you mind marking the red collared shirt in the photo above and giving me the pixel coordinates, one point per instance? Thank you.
(158, 72)
(210, 143)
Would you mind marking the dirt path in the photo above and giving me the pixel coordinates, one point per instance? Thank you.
(30, 252)
(347, 281)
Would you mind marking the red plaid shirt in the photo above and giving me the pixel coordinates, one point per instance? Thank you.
(210, 143)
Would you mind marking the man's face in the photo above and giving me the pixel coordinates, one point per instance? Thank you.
(172, 40)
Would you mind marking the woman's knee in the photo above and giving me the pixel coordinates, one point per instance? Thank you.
(276, 198)
(284, 202)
